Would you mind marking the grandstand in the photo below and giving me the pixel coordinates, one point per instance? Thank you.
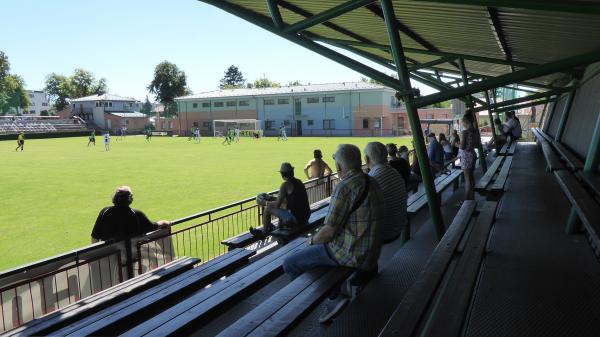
(519, 260)
(14, 125)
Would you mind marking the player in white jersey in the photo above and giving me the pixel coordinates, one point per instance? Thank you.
(237, 134)
(197, 135)
(106, 141)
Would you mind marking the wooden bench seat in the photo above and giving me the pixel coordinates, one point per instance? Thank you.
(500, 181)
(448, 277)
(285, 235)
(418, 200)
(195, 311)
(508, 149)
(103, 299)
(488, 176)
(553, 161)
(568, 156)
(591, 180)
(584, 204)
(246, 238)
(279, 313)
(137, 308)
(493, 181)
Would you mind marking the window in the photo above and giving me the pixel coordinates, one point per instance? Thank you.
(269, 125)
(377, 123)
(269, 102)
(286, 122)
(231, 103)
(329, 124)
(97, 104)
(170, 125)
(312, 100)
(283, 101)
(195, 124)
(195, 105)
(206, 104)
(44, 104)
(243, 103)
(310, 122)
(131, 104)
(218, 104)
(365, 123)
(206, 124)
(127, 122)
(328, 99)
(401, 122)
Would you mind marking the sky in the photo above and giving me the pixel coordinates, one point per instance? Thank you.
(123, 40)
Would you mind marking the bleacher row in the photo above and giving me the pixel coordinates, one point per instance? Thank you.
(45, 126)
(181, 297)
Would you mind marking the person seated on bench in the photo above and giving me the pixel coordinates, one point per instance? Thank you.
(394, 191)
(350, 234)
(317, 166)
(293, 193)
(120, 222)
(469, 140)
(435, 152)
(400, 164)
(445, 146)
(512, 128)
(455, 142)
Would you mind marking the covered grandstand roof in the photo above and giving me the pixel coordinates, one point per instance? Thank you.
(327, 87)
(104, 97)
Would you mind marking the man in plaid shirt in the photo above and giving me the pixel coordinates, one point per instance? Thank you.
(350, 236)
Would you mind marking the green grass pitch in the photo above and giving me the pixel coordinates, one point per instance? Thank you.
(53, 191)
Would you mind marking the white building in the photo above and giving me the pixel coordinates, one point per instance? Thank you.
(39, 103)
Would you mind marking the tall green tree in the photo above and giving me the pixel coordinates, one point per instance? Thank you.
(169, 82)
(263, 82)
(61, 88)
(12, 89)
(146, 107)
(232, 79)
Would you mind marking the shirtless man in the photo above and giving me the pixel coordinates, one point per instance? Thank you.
(317, 166)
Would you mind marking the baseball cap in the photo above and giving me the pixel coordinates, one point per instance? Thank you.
(286, 167)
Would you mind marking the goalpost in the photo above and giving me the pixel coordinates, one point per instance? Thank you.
(248, 127)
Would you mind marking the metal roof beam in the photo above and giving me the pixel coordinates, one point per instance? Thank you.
(523, 99)
(327, 15)
(431, 63)
(499, 34)
(516, 77)
(569, 6)
(433, 53)
(275, 14)
(522, 106)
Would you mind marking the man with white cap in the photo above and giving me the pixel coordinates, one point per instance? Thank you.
(291, 192)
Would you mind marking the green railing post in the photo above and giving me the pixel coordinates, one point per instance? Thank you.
(413, 116)
(565, 116)
(551, 114)
(494, 135)
(539, 126)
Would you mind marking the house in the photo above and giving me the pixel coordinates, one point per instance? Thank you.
(110, 112)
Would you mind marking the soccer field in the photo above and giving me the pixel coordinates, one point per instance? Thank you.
(53, 191)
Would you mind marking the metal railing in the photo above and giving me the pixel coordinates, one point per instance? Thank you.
(33, 290)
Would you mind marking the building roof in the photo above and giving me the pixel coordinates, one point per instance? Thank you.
(128, 114)
(303, 89)
(104, 97)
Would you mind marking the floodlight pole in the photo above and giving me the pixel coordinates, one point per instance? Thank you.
(413, 116)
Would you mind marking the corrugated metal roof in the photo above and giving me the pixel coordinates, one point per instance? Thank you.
(532, 36)
(129, 114)
(297, 89)
(104, 97)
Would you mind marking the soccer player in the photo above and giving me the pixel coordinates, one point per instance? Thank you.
(148, 135)
(227, 135)
(197, 135)
(282, 134)
(20, 141)
(107, 141)
(237, 134)
(92, 138)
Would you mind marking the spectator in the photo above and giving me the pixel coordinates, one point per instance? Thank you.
(393, 188)
(317, 166)
(469, 141)
(403, 153)
(455, 142)
(445, 146)
(500, 138)
(397, 163)
(350, 234)
(293, 193)
(120, 222)
(435, 152)
(512, 128)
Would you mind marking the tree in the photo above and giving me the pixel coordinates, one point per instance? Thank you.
(4, 65)
(61, 88)
(294, 83)
(146, 107)
(12, 88)
(232, 79)
(264, 82)
(169, 82)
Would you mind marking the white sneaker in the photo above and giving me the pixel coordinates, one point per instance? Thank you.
(333, 308)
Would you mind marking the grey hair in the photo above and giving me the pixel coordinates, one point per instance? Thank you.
(347, 157)
(376, 152)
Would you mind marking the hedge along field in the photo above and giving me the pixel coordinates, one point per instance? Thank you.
(52, 192)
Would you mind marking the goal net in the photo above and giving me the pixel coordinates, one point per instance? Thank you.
(248, 127)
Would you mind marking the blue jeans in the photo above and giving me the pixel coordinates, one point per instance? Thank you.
(286, 217)
(308, 258)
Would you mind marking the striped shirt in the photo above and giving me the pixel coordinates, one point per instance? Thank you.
(394, 200)
(357, 241)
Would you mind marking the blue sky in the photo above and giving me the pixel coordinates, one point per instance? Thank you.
(123, 40)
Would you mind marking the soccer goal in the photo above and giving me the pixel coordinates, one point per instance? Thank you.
(248, 127)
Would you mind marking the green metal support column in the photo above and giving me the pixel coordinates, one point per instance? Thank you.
(463, 73)
(413, 117)
(487, 99)
(565, 115)
(543, 115)
(549, 119)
